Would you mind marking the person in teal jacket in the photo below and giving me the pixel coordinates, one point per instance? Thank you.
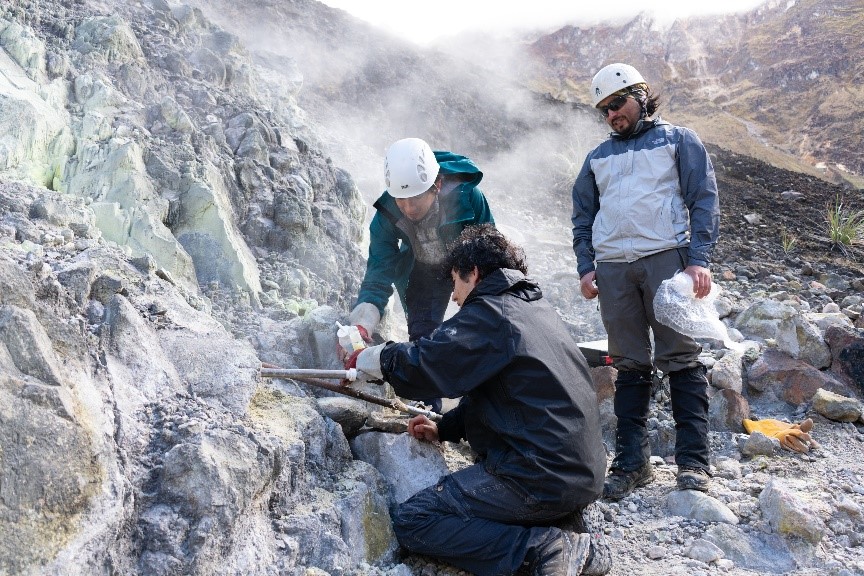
(430, 198)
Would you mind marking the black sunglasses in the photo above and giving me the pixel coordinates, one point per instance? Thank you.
(614, 105)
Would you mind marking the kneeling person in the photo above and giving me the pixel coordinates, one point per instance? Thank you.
(527, 408)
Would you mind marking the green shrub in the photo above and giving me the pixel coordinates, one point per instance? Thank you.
(845, 227)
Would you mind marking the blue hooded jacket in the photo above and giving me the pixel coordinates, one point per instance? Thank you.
(644, 193)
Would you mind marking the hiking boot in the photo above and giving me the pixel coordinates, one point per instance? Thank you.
(565, 556)
(599, 560)
(620, 483)
(590, 521)
(690, 478)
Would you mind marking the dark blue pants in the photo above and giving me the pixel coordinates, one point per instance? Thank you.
(689, 396)
(474, 521)
(426, 300)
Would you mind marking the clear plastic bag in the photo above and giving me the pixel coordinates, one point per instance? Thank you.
(676, 306)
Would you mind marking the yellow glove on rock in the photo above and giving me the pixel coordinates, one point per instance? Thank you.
(793, 437)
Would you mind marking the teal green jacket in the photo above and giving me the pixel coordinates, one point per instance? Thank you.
(391, 235)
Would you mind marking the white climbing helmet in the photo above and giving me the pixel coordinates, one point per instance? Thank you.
(611, 79)
(410, 168)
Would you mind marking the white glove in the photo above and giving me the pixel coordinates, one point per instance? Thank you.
(369, 364)
(365, 315)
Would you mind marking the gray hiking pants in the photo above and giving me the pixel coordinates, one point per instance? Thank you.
(627, 309)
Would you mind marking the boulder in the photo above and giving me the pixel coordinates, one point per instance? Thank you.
(776, 375)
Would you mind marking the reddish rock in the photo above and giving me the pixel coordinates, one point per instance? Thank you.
(790, 380)
(847, 355)
(604, 381)
(726, 411)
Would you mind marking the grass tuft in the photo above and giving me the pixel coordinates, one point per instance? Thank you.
(787, 240)
(845, 227)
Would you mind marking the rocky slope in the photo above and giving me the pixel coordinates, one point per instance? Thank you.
(165, 221)
(769, 510)
(178, 204)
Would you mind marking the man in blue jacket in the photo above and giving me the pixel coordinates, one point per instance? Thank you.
(430, 198)
(645, 206)
(529, 411)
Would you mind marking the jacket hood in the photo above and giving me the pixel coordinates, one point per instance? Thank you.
(507, 280)
(451, 163)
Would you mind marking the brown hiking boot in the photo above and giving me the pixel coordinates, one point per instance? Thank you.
(690, 478)
(590, 520)
(564, 556)
(620, 483)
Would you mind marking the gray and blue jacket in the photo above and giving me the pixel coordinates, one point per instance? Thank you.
(392, 237)
(639, 195)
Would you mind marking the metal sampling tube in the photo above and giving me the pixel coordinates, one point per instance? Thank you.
(350, 374)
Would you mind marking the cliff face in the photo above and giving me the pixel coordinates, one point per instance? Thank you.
(783, 75)
(205, 159)
(167, 219)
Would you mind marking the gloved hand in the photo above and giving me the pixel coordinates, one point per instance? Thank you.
(344, 350)
(351, 360)
(793, 437)
(367, 362)
(366, 317)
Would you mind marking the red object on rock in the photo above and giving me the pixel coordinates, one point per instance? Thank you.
(363, 333)
(351, 361)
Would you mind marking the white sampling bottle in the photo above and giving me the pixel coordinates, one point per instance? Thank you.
(350, 338)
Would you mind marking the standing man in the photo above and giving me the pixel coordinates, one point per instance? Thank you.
(430, 198)
(644, 207)
(528, 409)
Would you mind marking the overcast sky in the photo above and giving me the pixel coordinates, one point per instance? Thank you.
(423, 22)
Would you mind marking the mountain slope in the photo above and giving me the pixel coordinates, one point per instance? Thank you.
(781, 82)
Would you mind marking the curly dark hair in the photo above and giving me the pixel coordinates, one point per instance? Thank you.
(653, 103)
(648, 100)
(485, 247)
